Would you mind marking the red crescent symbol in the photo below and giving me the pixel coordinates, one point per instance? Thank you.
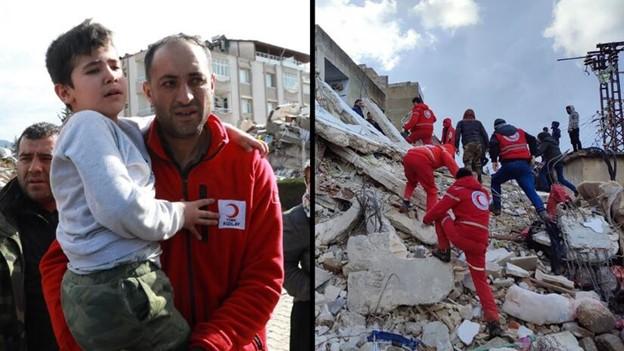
(235, 213)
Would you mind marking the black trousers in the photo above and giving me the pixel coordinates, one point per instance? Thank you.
(574, 139)
(300, 326)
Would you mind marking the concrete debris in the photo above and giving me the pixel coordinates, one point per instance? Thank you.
(554, 279)
(609, 342)
(467, 331)
(513, 270)
(375, 270)
(594, 316)
(563, 341)
(528, 263)
(436, 334)
(538, 308)
(588, 344)
(577, 330)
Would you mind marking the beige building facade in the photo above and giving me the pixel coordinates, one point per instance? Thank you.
(252, 78)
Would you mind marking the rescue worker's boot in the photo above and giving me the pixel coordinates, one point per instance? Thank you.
(442, 255)
(493, 329)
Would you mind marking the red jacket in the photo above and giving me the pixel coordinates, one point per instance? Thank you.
(469, 202)
(436, 156)
(226, 286)
(513, 147)
(422, 117)
(448, 132)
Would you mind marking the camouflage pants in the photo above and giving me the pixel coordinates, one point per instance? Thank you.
(472, 157)
(129, 307)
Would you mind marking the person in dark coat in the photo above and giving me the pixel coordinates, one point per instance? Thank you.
(370, 120)
(556, 132)
(551, 156)
(475, 141)
(297, 263)
(358, 106)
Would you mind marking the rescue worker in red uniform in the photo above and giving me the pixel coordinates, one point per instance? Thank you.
(420, 125)
(515, 149)
(448, 132)
(227, 284)
(469, 233)
(419, 164)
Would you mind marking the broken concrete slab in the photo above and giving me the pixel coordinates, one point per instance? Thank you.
(563, 341)
(589, 244)
(588, 344)
(370, 251)
(609, 342)
(436, 334)
(467, 331)
(528, 263)
(537, 308)
(329, 231)
(396, 282)
(554, 279)
(577, 330)
(515, 271)
(320, 277)
(500, 255)
(424, 233)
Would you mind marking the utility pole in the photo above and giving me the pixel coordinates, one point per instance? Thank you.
(604, 63)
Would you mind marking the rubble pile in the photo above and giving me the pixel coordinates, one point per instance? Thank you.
(377, 287)
(288, 134)
(7, 166)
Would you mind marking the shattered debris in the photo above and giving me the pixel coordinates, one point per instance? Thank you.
(375, 272)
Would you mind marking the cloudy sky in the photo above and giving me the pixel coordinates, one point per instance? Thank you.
(27, 27)
(497, 57)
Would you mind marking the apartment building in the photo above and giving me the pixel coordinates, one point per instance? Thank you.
(252, 78)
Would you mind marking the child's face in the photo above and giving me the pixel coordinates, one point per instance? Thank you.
(99, 83)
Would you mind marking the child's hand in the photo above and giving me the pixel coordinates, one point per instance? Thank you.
(194, 215)
(246, 141)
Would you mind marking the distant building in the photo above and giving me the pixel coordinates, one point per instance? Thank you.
(352, 81)
(252, 78)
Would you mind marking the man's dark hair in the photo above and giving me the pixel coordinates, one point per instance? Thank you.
(191, 39)
(417, 100)
(80, 40)
(463, 172)
(37, 131)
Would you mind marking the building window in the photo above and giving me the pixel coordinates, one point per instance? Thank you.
(245, 76)
(269, 79)
(246, 106)
(271, 106)
(222, 104)
(306, 89)
(221, 68)
(291, 83)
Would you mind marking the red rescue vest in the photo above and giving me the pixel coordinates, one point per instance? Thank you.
(513, 147)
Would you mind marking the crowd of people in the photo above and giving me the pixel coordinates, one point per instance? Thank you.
(511, 151)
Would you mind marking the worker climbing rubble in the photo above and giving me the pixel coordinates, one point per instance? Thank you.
(419, 164)
(420, 124)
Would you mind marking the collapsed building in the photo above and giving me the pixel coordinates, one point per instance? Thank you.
(378, 288)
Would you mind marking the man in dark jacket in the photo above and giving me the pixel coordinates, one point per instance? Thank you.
(358, 105)
(297, 263)
(474, 139)
(556, 132)
(28, 220)
(515, 148)
(551, 156)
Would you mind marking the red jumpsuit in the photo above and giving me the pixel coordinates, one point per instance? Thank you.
(448, 132)
(420, 124)
(419, 164)
(468, 232)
